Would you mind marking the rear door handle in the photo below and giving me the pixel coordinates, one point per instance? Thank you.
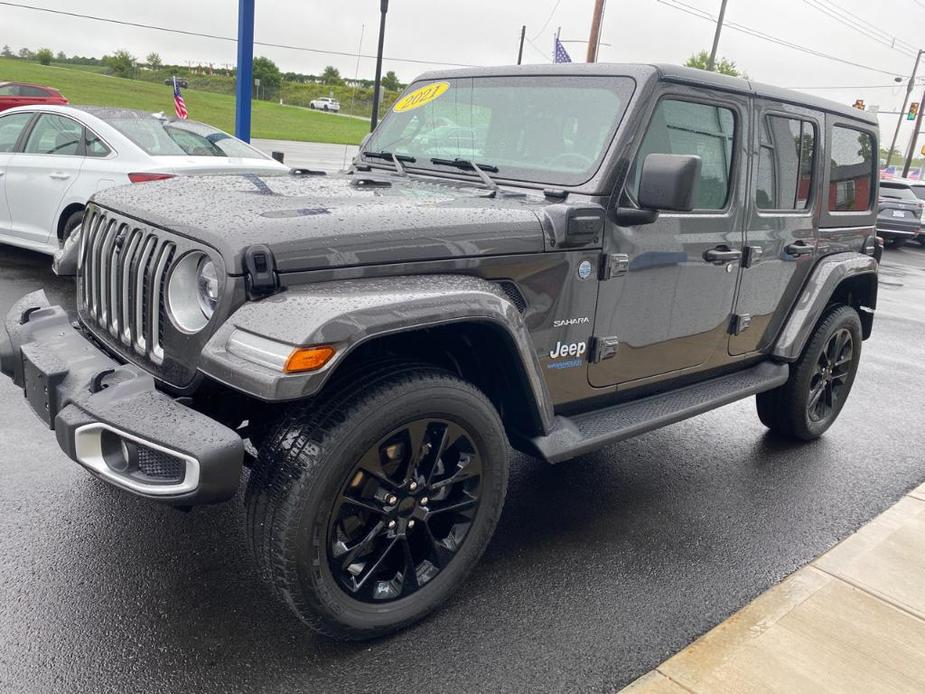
(798, 248)
(721, 255)
(58, 175)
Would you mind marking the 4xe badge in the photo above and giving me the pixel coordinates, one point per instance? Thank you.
(574, 350)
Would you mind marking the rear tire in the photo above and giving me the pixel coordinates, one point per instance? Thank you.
(368, 510)
(820, 380)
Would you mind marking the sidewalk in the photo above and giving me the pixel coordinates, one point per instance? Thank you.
(851, 621)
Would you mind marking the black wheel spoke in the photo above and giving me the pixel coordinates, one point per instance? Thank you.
(350, 553)
(455, 506)
(371, 463)
(815, 394)
(440, 554)
(362, 504)
(409, 583)
(420, 447)
(376, 565)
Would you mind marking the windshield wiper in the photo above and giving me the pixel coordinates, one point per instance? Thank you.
(467, 165)
(396, 159)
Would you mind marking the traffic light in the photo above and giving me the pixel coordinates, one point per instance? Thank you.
(913, 111)
(859, 104)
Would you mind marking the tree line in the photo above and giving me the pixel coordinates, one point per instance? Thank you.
(123, 64)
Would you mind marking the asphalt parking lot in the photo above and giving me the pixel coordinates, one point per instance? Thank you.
(600, 568)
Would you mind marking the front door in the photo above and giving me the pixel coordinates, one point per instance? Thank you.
(782, 209)
(12, 126)
(670, 310)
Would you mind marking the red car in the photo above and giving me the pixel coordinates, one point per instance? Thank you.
(22, 94)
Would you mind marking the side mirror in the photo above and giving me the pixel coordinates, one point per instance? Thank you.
(669, 182)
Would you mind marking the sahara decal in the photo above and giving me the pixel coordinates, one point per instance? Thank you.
(565, 322)
(420, 97)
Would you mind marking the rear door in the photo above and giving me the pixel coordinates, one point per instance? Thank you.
(12, 129)
(38, 177)
(783, 202)
(669, 311)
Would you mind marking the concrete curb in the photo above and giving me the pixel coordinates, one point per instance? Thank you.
(853, 620)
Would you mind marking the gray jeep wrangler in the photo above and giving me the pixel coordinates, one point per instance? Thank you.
(553, 258)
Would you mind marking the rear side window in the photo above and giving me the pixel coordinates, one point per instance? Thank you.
(785, 164)
(851, 177)
(9, 90)
(686, 127)
(897, 192)
(95, 146)
(26, 90)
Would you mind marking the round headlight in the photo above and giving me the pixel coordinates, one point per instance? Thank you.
(207, 282)
(192, 292)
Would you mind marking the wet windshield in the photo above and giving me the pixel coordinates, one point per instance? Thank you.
(542, 129)
(163, 137)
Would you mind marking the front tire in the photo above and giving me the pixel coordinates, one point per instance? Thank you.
(820, 380)
(368, 510)
(72, 222)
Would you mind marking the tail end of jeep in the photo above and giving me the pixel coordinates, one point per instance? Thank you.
(550, 259)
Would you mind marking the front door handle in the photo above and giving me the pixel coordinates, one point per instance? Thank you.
(59, 176)
(721, 255)
(798, 248)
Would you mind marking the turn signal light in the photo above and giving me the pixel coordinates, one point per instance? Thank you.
(308, 359)
(143, 177)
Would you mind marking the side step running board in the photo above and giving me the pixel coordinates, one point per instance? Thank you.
(573, 436)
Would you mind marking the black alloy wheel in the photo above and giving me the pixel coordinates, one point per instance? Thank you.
(828, 386)
(404, 510)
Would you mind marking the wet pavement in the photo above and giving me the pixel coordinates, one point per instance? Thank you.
(600, 568)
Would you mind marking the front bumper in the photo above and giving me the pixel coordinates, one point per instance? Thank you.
(110, 417)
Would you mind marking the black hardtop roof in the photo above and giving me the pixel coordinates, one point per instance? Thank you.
(670, 73)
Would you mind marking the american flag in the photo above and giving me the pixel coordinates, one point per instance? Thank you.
(560, 55)
(178, 104)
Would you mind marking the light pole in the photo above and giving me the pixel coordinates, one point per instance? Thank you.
(719, 28)
(913, 142)
(383, 10)
(902, 111)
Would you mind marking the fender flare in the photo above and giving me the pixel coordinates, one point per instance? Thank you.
(828, 274)
(346, 314)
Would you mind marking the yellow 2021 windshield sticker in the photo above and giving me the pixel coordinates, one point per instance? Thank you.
(420, 97)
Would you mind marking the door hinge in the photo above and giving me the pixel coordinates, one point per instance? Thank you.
(751, 255)
(740, 323)
(603, 348)
(614, 265)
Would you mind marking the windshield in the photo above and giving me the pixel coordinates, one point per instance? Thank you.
(542, 129)
(162, 137)
(897, 192)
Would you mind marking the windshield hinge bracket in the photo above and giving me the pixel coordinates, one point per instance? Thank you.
(614, 265)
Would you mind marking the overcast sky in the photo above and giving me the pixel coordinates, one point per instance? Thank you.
(486, 32)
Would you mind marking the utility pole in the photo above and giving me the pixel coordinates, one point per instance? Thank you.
(523, 35)
(383, 10)
(913, 142)
(594, 40)
(719, 28)
(902, 111)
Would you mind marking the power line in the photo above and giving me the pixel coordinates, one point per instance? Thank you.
(843, 16)
(701, 14)
(548, 20)
(216, 37)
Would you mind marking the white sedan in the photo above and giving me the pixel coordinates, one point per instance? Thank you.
(54, 158)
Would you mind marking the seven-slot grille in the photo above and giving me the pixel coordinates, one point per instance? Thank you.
(122, 275)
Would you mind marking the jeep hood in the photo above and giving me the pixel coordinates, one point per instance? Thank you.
(316, 222)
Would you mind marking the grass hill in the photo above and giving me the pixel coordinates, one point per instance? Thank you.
(269, 120)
